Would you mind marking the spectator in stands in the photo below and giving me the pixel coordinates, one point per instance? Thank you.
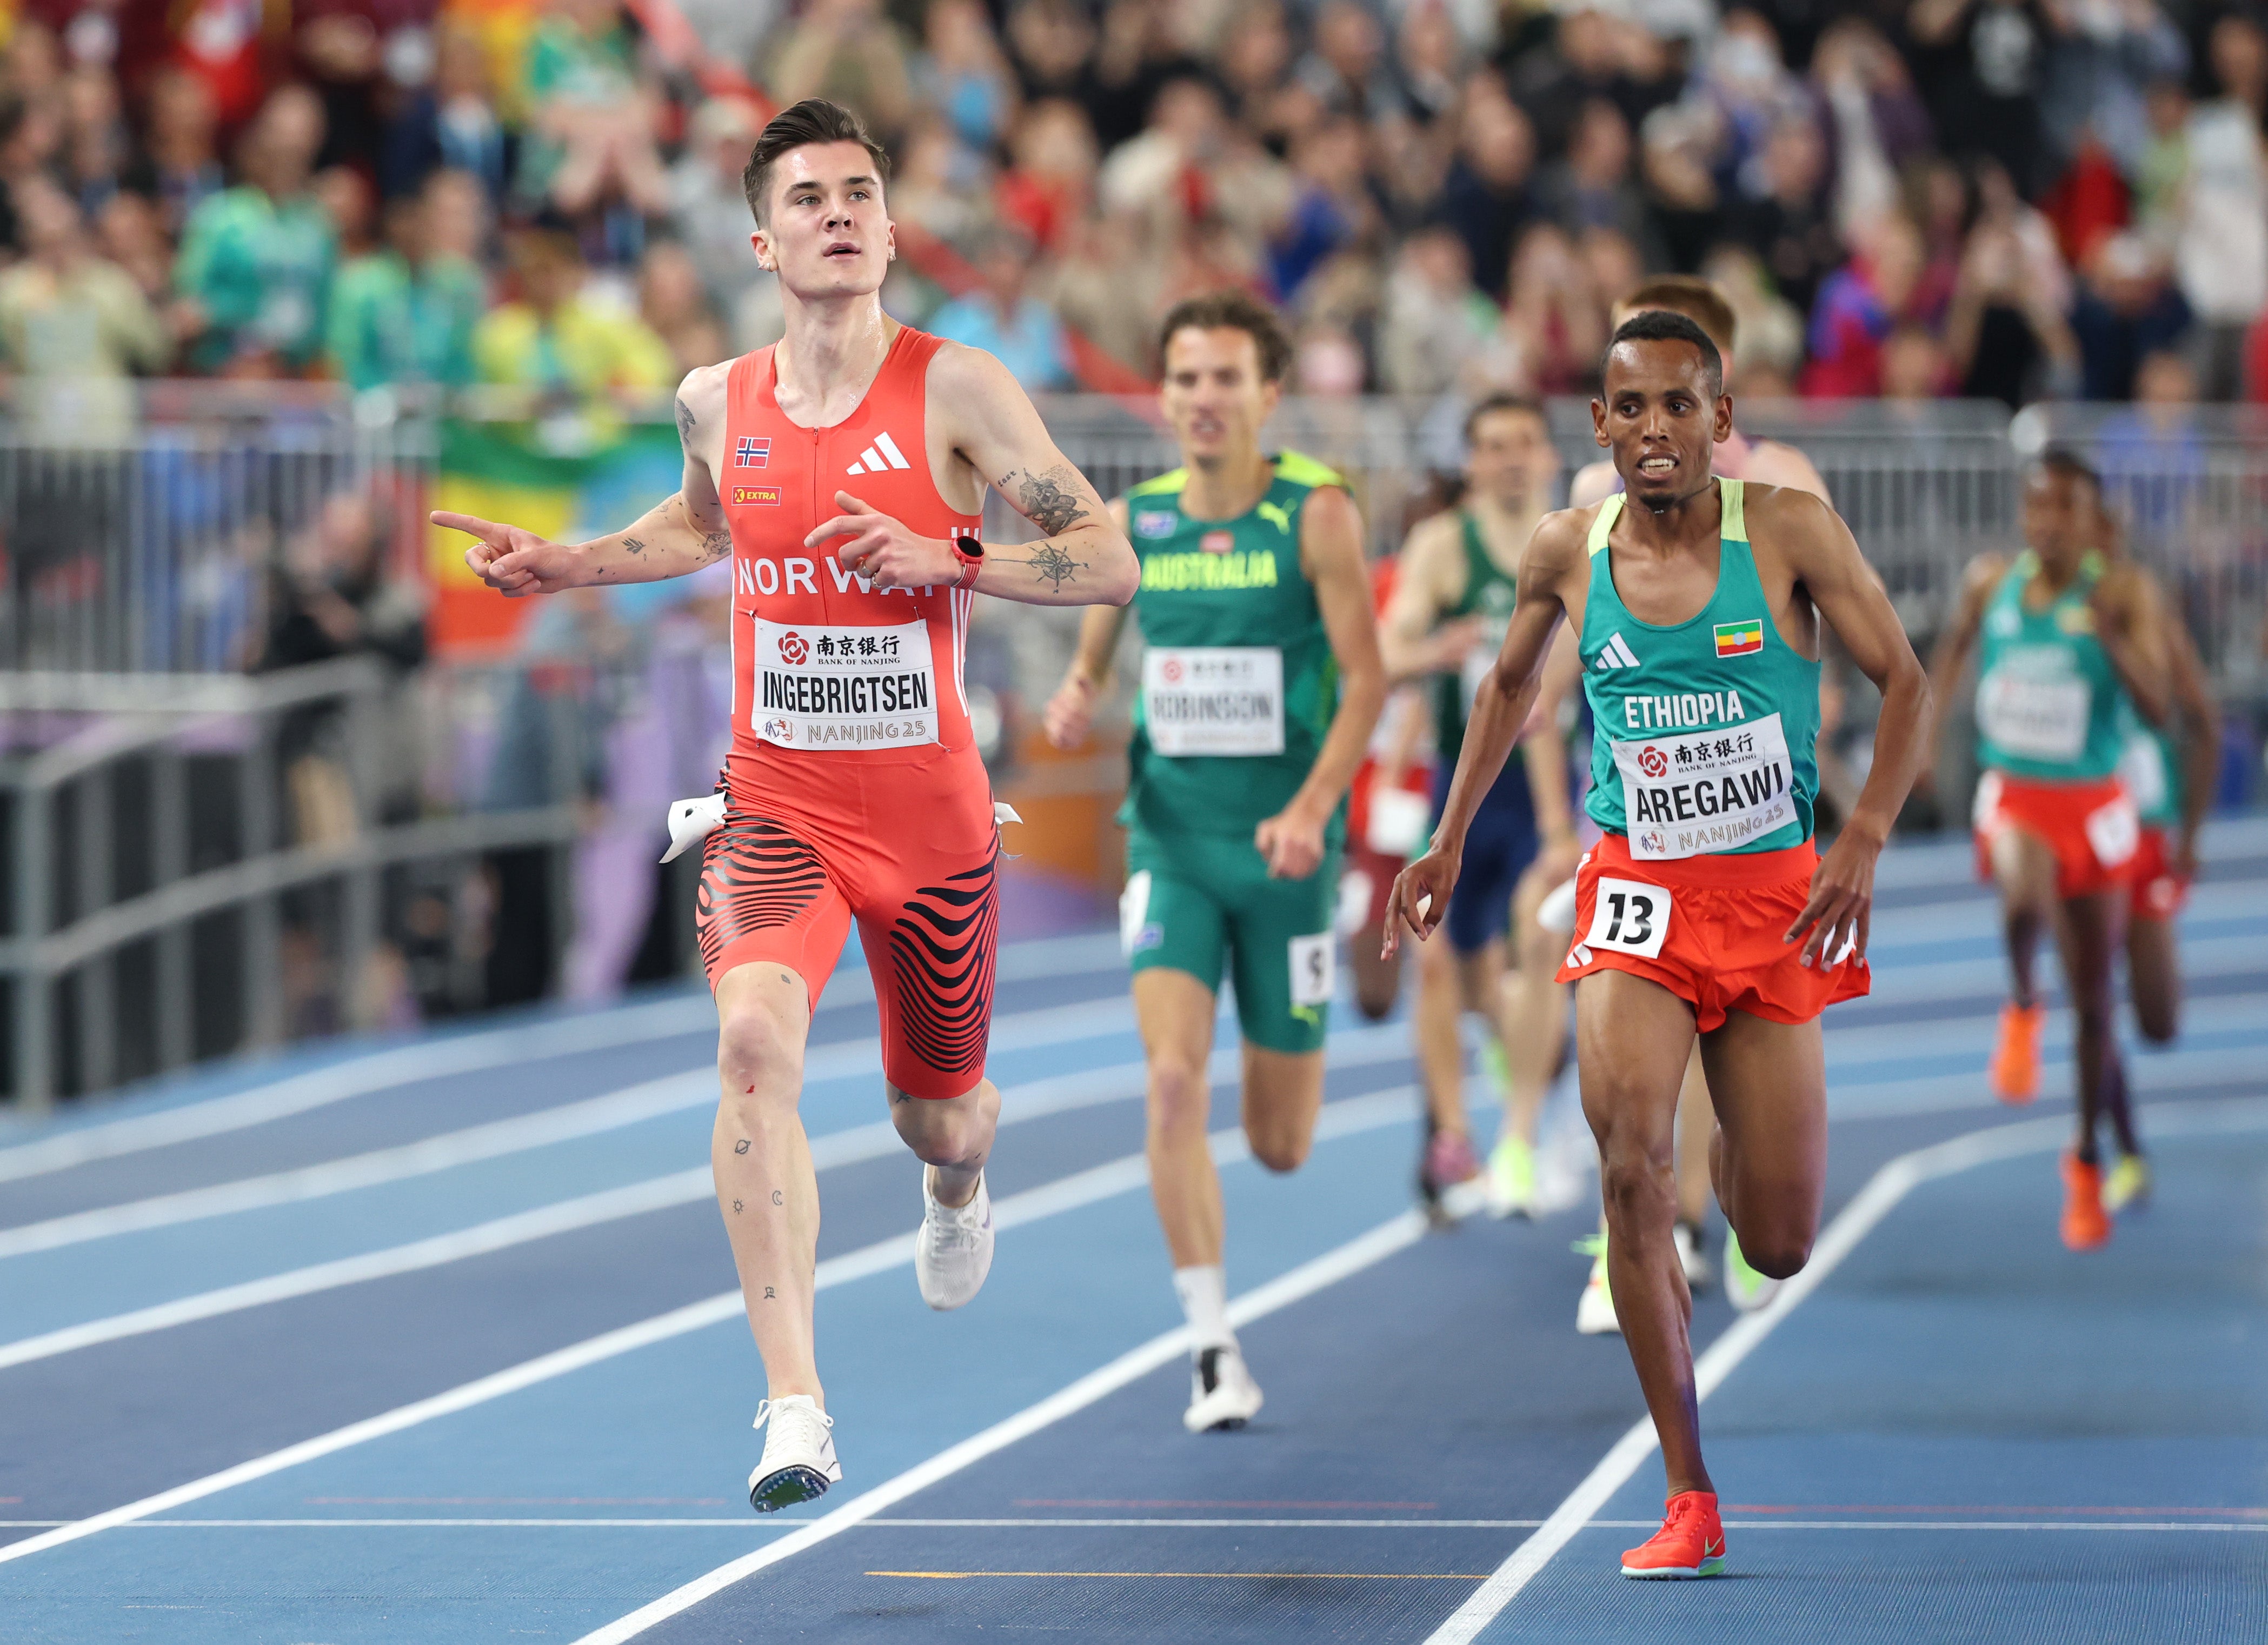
(178, 167)
(2004, 330)
(1436, 323)
(256, 260)
(1486, 198)
(848, 52)
(1791, 225)
(1331, 208)
(1345, 70)
(96, 148)
(1555, 324)
(589, 141)
(405, 314)
(962, 73)
(347, 200)
(1859, 306)
(1982, 65)
(1768, 349)
(449, 123)
(1005, 320)
(2220, 251)
(334, 595)
(1050, 46)
(2129, 305)
(130, 234)
(1051, 184)
(1431, 60)
(1879, 124)
(29, 135)
(1915, 369)
(564, 346)
(73, 325)
(675, 307)
(2150, 456)
(2101, 59)
(709, 209)
(1591, 186)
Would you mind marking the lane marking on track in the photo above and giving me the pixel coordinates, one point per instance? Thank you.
(1305, 1280)
(742, 1523)
(482, 1048)
(690, 1186)
(1189, 1576)
(1086, 1188)
(1866, 1209)
(634, 1104)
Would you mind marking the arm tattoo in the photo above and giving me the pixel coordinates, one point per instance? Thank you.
(1053, 566)
(1046, 502)
(631, 545)
(716, 545)
(684, 422)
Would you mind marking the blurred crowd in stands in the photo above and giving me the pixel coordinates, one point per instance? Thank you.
(2006, 199)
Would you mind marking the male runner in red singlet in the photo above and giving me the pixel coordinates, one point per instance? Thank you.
(844, 470)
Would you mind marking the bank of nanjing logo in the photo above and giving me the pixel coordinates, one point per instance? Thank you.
(883, 453)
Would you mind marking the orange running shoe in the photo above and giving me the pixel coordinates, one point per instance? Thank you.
(1691, 1542)
(2086, 1224)
(2016, 1058)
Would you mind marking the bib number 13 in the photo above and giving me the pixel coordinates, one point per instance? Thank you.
(1629, 916)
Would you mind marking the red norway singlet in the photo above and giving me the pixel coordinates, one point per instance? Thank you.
(854, 788)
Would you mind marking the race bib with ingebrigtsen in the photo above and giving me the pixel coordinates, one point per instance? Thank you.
(2034, 716)
(1690, 794)
(1213, 700)
(828, 688)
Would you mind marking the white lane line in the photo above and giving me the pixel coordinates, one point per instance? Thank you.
(1357, 1254)
(635, 1105)
(1354, 1114)
(1857, 1219)
(469, 1053)
(743, 1525)
(2148, 1077)
(877, 1141)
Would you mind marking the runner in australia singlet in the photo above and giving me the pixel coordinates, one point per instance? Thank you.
(854, 789)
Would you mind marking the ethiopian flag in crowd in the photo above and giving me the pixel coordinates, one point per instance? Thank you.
(500, 471)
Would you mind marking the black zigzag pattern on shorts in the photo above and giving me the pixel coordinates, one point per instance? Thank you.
(754, 875)
(941, 954)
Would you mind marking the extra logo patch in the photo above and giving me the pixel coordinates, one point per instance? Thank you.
(1155, 523)
(1738, 639)
(753, 451)
(756, 496)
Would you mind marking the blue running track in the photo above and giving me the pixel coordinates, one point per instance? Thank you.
(436, 1341)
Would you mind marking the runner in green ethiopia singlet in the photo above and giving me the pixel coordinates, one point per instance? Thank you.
(2048, 701)
(1238, 688)
(1706, 728)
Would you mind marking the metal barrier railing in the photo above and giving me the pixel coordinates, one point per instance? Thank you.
(101, 823)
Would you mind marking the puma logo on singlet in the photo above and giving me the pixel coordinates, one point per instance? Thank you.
(884, 454)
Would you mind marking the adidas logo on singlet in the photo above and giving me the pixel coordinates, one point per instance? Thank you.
(1615, 654)
(884, 454)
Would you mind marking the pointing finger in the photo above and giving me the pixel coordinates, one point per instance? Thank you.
(487, 531)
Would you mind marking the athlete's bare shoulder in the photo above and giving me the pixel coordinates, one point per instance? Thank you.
(1986, 570)
(963, 380)
(1775, 463)
(1558, 551)
(701, 407)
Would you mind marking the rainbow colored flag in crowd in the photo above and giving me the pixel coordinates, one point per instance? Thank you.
(503, 472)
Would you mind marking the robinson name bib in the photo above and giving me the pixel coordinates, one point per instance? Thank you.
(1221, 700)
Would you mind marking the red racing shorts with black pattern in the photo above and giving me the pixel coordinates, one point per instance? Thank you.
(1710, 929)
(913, 863)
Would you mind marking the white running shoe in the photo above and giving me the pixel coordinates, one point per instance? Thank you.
(953, 1251)
(1595, 1313)
(799, 1454)
(1222, 1393)
(1745, 1289)
(1693, 1257)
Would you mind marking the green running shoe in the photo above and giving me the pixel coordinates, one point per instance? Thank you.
(1595, 1313)
(1745, 1289)
(1496, 1067)
(1512, 1177)
(2127, 1187)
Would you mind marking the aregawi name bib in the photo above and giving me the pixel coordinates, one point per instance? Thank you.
(2036, 716)
(1224, 700)
(822, 687)
(1687, 795)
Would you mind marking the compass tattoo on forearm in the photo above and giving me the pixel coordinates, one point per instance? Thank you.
(1053, 567)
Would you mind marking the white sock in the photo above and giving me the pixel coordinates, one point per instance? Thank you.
(1203, 1292)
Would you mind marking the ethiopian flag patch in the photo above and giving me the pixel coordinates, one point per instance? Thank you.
(1738, 639)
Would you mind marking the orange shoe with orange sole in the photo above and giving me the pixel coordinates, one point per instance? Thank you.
(2086, 1224)
(1691, 1542)
(2016, 1068)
